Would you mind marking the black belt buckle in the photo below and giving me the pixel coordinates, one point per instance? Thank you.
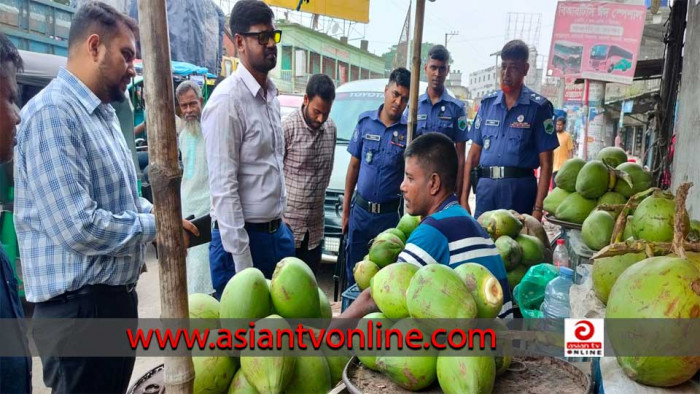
(273, 226)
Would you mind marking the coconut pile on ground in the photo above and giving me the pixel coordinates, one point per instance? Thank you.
(521, 240)
(404, 291)
(646, 276)
(292, 293)
(593, 193)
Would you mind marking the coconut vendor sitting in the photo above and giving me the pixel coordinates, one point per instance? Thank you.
(448, 234)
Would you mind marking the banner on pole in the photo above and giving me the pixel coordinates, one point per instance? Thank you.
(597, 41)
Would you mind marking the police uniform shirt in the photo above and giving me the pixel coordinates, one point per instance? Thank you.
(447, 116)
(515, 137)
(380, 151)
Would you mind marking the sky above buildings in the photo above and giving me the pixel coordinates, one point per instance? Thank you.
(482, 27)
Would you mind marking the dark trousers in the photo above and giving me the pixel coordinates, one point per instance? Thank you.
(312, 257)
(267, 249)
(518, 194)
(554, 175)
(82, 374)
(363, 226)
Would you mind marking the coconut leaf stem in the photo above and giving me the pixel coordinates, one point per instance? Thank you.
(632, 203)
(679, 225)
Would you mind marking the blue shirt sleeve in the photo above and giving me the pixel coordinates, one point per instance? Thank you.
(355, 144)
(426, 245)
(545, 136)
(475, 130)
(461, 132)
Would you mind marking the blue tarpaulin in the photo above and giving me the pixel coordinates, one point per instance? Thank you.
(181, 69)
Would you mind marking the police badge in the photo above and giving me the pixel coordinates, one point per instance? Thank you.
(487, 143)
(462, 123)
(548, 126)
(477, 124)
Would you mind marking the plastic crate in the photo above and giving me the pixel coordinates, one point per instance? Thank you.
(349, 296)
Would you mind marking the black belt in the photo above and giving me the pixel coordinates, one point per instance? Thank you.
(505, 172)
(94, 289)
(269, 227)
(373, 207)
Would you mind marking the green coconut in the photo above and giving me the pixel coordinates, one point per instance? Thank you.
(554, 199)
(246, 296)
(294, 290)
(503, 222)
(575, 208)
(653, 219)
(510, 250)
(407, 224)
(385, 249)
(641, 179)
(655, 288)
(270, 373)
(515, 276)
(593, 180)
(240, 385)
(370, 360)
(336, 364)
(389, 287)
(534, 227)
(612, 156)
(213, 375)
(597, 230)
(567, 174)
(396, 232)
(533, 249)
(311, 375)
(436, 291)
(612, 198)
(694, 233)
(484, 218)
(465, 374)
(502, 364)
(484, 288)
(627, 233)
(363, 272)
(325, 311)
(606, 270)
(414, 369)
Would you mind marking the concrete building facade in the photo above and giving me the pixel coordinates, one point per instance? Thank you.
(483, 82)
(304, 52)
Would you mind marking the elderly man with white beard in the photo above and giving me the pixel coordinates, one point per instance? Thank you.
(194, 189)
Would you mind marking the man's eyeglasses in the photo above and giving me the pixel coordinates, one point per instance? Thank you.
(265, 36)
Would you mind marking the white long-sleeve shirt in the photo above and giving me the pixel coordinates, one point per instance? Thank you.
(245, 150)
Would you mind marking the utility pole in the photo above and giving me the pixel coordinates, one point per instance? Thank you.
(450, 34)
(415, 69)
(165, 176)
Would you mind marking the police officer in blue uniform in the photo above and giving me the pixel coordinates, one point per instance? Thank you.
(440, 112)
(512, 135)
(376, 168)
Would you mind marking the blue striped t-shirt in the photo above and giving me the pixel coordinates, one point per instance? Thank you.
(452, 237)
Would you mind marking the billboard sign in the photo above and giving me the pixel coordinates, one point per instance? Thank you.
(596, 40)
(357, 10)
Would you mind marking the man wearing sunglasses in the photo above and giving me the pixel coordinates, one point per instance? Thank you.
(245, 150)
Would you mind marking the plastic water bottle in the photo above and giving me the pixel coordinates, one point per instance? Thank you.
(556, 295)
(561, 255)
(556, 307)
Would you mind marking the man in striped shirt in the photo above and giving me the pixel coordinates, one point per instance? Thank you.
(448, 234)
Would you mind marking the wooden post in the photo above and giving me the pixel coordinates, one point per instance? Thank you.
(415, 69)
(165, 176)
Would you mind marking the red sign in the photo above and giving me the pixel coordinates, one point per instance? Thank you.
(595, 40)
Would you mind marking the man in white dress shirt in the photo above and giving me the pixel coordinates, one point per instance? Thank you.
(245, 150)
